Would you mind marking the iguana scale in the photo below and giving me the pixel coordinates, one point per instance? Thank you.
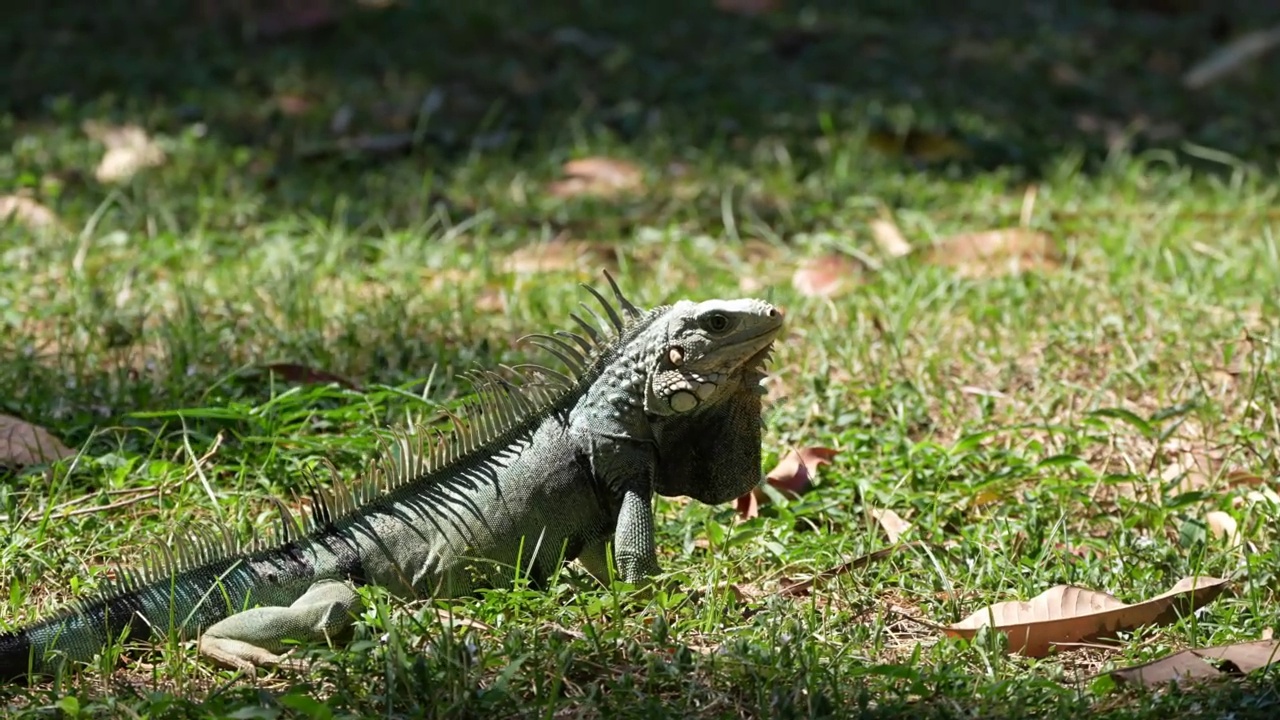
(548, 467)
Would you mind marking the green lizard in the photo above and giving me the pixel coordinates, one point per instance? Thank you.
(549, 467)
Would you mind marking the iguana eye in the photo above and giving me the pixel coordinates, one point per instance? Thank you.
(716, 322)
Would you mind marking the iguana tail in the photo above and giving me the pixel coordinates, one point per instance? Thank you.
(206, 582)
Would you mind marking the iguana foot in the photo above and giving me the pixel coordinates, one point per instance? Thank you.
(246, 640)
(242, 656)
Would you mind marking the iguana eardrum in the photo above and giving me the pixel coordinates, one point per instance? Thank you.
(550, 468)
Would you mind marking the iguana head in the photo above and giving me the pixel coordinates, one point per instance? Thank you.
(703, 396)
(704, 349)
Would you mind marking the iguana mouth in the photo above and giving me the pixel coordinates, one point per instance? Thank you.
(757, 359)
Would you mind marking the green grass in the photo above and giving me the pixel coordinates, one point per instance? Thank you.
(138, 335)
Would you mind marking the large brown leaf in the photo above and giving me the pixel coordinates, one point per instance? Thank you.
(996, 252)
(22, 444)
(597, 176)
(827, 275)
(1068, 614)
(27, 212)
(129, 150)
(793, 475)
(1237, 658)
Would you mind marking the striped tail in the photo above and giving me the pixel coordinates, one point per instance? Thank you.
(206, 583)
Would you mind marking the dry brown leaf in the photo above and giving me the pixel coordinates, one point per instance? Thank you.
(557, 255)
(457, 621)
(128, 150)
(22, 444)
(1068, 614)
(826, 275)
(294, 372)
(27, 212)
(793, 475)
(920, 145)
(597, 176)
(1235, 659)
(889, 238)
(892, 523)
(1222, 525)
(293, 104)
(996, 252)
(750, 8)
(1242, 478)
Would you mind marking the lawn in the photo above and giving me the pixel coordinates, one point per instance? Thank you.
(309, 233)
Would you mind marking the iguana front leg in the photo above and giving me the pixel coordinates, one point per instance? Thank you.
(634, 545)
(256, 636)
(634, 550)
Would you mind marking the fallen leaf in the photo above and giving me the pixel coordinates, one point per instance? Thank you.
(749, 505)
(1236, 659)
(793, 475)
(1065, 75)
(129, 150)
(1243, 478)
(892, 524)
(1222, 525)
(1067, 614)
(27, 212)
(558, 254)
(294, 372)
(919, 145)
(458, 621)
(292, 104)
(889, 238)
(22, 444)
(598, 177)
(986, 497)
(996, 252)
(826, 275)
(749, 8)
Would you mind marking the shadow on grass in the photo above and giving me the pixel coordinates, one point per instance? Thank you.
(969, 87)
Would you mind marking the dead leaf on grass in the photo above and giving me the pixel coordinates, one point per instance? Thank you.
(1235, 659)
(458, 621)
(558, 255)
(749, 8)
(920, 145)
(1222, 525)
(27, 212)
(996, 252)
(129, 150)
(892, 523)
(297, 373)
(293, 104)
(793, 476)
(827, 275)
(597, 177)
(889, 238)
(22, 444)
(1066, 614)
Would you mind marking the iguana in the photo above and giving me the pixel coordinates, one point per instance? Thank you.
(548, 467)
